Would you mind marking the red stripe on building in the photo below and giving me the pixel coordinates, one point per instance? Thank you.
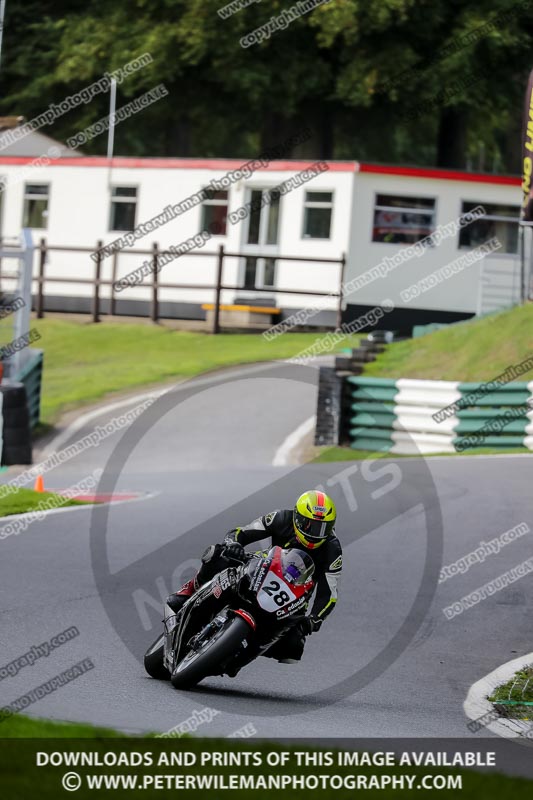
(223, 164)
(229, 164)
(440, 174)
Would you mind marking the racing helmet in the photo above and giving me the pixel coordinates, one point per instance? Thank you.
(314, 519)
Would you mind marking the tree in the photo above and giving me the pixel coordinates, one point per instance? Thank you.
(388, 80)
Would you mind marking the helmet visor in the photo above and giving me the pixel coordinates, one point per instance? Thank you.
(315, 531)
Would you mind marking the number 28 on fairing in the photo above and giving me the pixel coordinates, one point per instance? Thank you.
(274, 593)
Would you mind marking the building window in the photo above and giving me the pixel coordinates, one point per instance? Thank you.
(264, 216)
(123, 208)
(35, 205)
(318, 208)
(402, 220)
(499, 221)
(215, 212)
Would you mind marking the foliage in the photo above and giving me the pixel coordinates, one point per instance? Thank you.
(370, 78)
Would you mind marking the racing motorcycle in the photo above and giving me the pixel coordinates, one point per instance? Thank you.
(234, 618)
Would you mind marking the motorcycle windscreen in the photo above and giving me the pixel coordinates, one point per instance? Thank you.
(274, 592)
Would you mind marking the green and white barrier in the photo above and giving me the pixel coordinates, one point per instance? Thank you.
(415, 417)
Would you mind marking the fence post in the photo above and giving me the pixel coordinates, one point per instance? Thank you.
(113, 299)
(40, 284)
(155, 303)
(97, 272)
(220, 267)
(341, 291)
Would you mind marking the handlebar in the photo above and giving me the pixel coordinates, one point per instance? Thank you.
(239, 561)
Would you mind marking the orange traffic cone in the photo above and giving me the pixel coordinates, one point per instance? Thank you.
(39, 484)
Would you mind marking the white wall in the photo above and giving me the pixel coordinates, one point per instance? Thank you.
(459, 293)
(79, 208)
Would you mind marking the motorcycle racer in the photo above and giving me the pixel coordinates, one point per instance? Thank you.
(310, 526)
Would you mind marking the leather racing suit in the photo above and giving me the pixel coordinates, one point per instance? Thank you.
(278, 526)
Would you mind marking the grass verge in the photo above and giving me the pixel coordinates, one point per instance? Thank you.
(510, 697)
(324, 455)
(477, 350)
(23, 500)
(84, 362)
(21, 727)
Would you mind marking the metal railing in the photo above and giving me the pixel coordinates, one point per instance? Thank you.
(19, 255)
(156, 285)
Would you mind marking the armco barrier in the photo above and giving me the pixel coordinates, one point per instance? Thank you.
(398, 416)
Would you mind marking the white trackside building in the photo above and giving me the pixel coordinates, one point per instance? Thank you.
(366, 212)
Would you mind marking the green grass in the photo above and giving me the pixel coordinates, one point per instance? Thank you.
(23, 500)
(84, 362)
(326, 455)
(513, 689)
(21, 727)
(476, 350)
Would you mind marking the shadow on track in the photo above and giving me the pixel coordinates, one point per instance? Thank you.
(258, 697)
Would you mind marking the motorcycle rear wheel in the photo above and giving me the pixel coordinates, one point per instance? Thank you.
(153, 660)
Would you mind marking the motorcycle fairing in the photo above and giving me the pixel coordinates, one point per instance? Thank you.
(275, 594)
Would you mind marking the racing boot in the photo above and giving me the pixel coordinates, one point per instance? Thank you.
(177, 599)
(212, 563)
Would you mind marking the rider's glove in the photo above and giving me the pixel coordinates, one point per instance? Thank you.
(310, 625)
(234, 551)
(231, 536)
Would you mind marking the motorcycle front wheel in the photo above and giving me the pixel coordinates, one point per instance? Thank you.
(211, 655)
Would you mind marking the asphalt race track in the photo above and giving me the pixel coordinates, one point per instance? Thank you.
(387, 663)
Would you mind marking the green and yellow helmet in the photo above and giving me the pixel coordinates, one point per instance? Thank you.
(314, 518)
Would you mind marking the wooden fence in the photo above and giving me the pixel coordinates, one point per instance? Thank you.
(156, 285)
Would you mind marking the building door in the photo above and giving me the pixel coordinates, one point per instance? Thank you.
(261, 237)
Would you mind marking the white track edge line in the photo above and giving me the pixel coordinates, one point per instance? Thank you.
(46, 511)
(281, 458)
(81, 421)
(200, 380)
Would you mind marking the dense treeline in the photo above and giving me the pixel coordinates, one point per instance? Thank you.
(413, 81)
